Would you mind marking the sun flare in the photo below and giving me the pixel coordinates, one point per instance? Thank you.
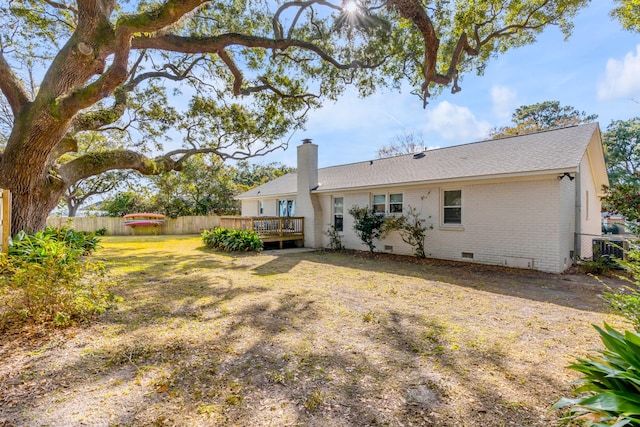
(350, 7)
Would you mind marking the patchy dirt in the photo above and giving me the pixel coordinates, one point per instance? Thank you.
(305, 339)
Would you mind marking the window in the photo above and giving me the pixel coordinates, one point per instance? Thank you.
(379, 203)
(395, 203)
(452, 205)
(286, 207)
(338, 211)
(260, 207)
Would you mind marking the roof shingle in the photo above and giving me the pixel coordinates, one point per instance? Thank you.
(525, 154)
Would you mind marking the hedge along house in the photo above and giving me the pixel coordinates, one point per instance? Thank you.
(521, 201)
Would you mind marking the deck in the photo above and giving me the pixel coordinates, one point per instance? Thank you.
(270, 229)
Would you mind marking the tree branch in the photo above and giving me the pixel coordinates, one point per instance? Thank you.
(92, 164)
(156, 19)
(66, 145)
(164, 15)
(212, 44)
(62, 6)
(94, 120)
(277, 26)
(12, 87)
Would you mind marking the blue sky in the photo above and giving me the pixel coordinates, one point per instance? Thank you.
(597, 71)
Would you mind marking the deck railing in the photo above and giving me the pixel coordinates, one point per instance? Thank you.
(267, 227)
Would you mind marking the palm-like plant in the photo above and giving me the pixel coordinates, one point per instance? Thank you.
(611, 382)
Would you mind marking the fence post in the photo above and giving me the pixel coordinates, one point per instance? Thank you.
(6, 220)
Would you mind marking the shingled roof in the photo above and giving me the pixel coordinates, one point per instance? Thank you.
(535, 153)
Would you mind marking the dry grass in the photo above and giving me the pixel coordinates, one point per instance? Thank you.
(308, 339)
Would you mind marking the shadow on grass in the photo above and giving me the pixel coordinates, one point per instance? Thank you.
(575, 291)
(218, 339)
(279, 363)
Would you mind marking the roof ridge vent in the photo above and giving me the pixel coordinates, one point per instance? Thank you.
(418, 155)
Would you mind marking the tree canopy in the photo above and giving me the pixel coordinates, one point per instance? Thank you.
(204, 186)
(628, 13)
(407, 142)
(248, 72)
(622, 151)
(542, 116)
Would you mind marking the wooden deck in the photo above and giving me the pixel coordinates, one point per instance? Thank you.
(270, 229)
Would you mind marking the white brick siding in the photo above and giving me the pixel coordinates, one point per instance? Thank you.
(512, 223)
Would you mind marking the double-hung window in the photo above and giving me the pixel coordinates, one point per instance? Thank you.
(338, 213)
(380, 203)
(395, 203)
(452, 207)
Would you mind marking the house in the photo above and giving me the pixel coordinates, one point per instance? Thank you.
(525, 201)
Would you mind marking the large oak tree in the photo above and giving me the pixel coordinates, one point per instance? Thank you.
(250, 70)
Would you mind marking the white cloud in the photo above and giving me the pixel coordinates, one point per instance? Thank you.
(622, 78)
(503, 101)
(455, 123)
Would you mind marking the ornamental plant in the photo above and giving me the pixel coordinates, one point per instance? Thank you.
(232, 240)
(611, 383)
(626, 300)
(45, 278)
(411, 228)
(368, 225)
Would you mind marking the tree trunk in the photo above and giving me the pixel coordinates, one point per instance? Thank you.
(30, 210)
(72, 208)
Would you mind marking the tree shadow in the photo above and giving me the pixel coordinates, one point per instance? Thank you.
(206, 349)
(579, 291)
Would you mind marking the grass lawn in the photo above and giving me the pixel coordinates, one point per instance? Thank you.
(204, 338)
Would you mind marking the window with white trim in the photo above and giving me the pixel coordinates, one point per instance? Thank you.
(395, 203)
(260, 207)
(286, 207)
(380, 203)
(452, 207)
(338, 213)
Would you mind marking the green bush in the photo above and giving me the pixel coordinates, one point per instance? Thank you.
(411, 228)
(49, 283)
(232, 240)
(43, 244)
(368, 225)
(611, 382)
(626, 300)
(335, 241)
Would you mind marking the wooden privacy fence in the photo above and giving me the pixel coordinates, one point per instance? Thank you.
(5, 219)
(116, 226)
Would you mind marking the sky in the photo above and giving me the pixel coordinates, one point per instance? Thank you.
(597, 70)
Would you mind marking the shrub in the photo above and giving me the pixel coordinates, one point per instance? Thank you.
(598, 265)
(49, 283)
(368, 225)
(611, 381)
(34, 247)
(626, 301)
(101, 232)
(232, 240)
(411, 228)
(335, 241)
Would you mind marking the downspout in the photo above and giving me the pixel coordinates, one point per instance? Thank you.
(577, 238)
